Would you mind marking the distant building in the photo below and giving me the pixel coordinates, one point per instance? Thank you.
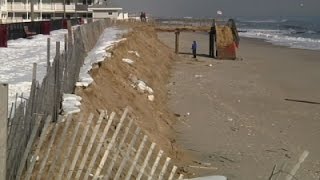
(103, 10)
(20, 10)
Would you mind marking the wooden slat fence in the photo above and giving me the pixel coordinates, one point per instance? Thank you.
(45, 99)
(109, 148)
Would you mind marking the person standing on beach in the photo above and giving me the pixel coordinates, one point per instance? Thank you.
(194, 49)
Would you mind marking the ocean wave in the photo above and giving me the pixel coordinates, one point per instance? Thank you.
(265, 21)
(281, 37)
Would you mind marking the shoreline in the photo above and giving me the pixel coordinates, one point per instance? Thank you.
(270, 43)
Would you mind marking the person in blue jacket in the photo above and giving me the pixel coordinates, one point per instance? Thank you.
(194, 49)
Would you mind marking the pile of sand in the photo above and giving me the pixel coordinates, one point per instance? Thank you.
(112, 88)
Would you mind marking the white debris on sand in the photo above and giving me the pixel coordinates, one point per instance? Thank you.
(142, 87)
(151, 97)
(198, 76)
(108, 39)
(129, 61)
(134, 52)
(71, 103)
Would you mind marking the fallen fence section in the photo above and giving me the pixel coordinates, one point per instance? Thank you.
(110, 148)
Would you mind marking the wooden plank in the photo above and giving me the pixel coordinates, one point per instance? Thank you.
(146, 160)
(71, 145)
(164, 168)
(27, 150)
(3, 129)
(155, 165)
(43, 136)
(90, 144)
(100, 143)
(110, 145)
(60, 143)
(173, 172)
(296, 167)
(181, 176)
(136, 158)
(115, 157)
(80, 145)
(126, 156)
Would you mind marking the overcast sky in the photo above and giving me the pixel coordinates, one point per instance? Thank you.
(208, 8)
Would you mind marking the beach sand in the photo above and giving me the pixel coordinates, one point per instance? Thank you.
(234, 114)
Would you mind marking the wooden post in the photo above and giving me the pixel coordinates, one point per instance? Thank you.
(65, 43)
(3, 129)
(34, 72)
(48, 54)
(32, 10)
(69, 27)
(56, 83)
(177, 33)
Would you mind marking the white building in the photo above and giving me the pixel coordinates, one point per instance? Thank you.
(20, 10)
(103, 10)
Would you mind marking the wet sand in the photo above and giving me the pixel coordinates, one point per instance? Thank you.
(234, 114)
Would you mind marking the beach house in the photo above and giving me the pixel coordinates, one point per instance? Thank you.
(25, 10)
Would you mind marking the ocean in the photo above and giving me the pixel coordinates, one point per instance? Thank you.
(294, 32)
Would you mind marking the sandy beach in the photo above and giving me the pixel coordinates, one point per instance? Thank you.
(243, 117)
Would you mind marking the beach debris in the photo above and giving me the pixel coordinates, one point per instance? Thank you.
(188, 114)
(142, 87)
(230, 119)
(134, 52)
(210, 65)
(71, 103)
(129, 61)
(151, 97)
(198, 76)
(203, 167)
(177, 115)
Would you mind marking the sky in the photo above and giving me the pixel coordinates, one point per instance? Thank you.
(230, 8)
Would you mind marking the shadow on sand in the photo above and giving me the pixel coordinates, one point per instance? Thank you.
(200, 55)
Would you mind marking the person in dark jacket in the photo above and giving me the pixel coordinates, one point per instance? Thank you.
(194, 49)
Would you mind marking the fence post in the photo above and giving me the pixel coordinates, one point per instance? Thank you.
(56, 83)
(34, 72)
(3, 129)
(177, 41)
(48, 54)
